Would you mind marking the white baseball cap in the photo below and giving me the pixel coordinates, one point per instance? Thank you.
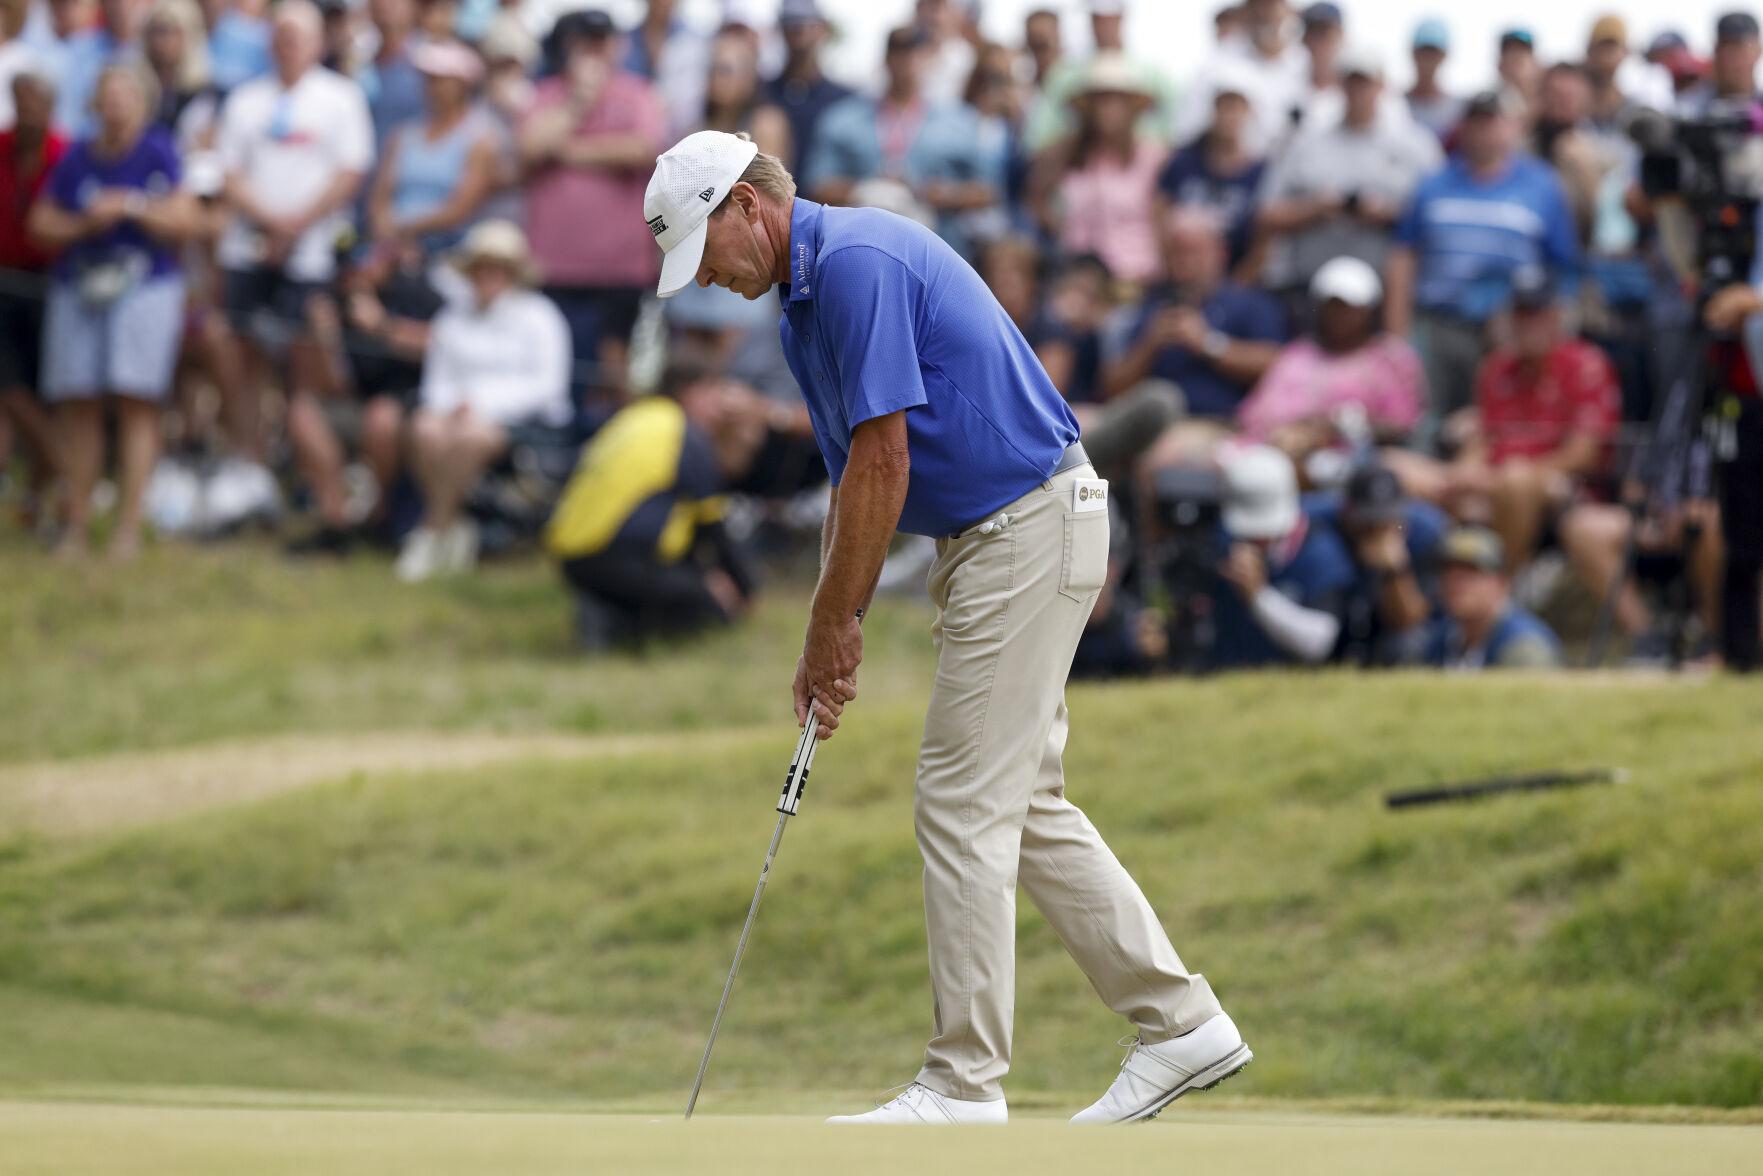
(1349, 279)
(690, 180)
(1260, 492)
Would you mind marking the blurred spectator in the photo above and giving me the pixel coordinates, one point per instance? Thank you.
(1065, 329)
(85, 54)
(437, 20)
(1271, 66)
(638, 531)
(344, 49)
(16, 53)
(1227, 22)
(590, 141)
(1324, 31)
(1428, 101)
(1000, 100)
(1217, 171)
(1050, 118)
(1681, 539)
(1517, 67)
(1560, 136)
(672, 56)
(800, 89)
(1489, 212)
(1732, 80)
(1619, 287)
(1483, 627)
(732, 99)
(29, 152)
(388, 304)
(238, 41)
(1094, 193)
(1338, 191)
(1042, 42)
(436, 173)
(393, 85)
(114, 209)
(509, 52)
(1393, 541)
(1612, 108)
(951, 37)
(177, 52)
(1546, 410)
(1199, 331)
(1284, 580)
(1669, 52)
(296, 146)
(1348, 362)
(497, 363)
(904, 152)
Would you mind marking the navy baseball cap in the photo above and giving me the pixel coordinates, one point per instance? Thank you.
(799, 12)
(1323, 13)
(1374, 498)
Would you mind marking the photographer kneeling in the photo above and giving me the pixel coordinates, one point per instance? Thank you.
(1288, 580)
(644, 506)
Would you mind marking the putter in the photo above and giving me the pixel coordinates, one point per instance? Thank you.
(794, 784)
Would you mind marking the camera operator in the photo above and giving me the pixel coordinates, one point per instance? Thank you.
(1739, 308)
(1392, 540)
(1285, 579)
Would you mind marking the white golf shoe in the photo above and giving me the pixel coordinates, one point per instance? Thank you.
(921, 1106)
(1153, 1076)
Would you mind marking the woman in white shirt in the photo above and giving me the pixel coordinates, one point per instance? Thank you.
(497, 358)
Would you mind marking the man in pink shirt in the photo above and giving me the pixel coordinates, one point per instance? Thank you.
(588, 145)
(1347, 364)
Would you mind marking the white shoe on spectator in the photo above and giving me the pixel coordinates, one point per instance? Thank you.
(421, 557)
(921, 1106)
(1153, 1076)
(459, 546)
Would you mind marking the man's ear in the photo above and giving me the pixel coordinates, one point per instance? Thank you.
(746, 199)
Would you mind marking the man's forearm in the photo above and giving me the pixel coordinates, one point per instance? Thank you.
(865, 514)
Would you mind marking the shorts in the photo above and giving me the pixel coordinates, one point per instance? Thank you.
(267, 305)
(128, 347)
(21, 329)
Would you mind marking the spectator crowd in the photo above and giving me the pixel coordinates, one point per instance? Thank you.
(1380, 370)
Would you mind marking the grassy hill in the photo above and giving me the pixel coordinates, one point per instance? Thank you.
(559, 927)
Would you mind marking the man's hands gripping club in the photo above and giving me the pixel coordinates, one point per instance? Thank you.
(859, 526)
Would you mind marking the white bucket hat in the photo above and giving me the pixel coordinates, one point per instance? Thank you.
(690, 180)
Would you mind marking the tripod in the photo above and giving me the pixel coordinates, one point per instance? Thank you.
(1668, 469)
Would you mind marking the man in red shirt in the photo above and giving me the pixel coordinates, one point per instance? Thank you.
(1546, 409)
(28, 152)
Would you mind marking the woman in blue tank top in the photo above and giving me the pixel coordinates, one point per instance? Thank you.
(437, 172)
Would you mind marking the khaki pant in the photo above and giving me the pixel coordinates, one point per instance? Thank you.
(991, 809)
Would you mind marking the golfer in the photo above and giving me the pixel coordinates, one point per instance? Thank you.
(935, 418)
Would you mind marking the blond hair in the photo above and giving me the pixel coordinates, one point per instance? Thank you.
(193, 71)
(768, 175)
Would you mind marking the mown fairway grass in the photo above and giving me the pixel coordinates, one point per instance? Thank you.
(558, 929)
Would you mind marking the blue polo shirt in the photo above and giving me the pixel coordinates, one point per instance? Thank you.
(881, 315)
(1472, 234)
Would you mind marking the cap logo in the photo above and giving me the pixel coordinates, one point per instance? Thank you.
(706, 194)
(657, 226)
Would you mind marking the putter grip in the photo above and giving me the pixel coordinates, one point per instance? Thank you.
(796, 780)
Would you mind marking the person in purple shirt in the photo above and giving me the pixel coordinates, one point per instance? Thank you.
(115, 307)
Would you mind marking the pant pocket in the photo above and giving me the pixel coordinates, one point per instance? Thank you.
(1085, 565)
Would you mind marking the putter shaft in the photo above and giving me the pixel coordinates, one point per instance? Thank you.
(794, 784)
